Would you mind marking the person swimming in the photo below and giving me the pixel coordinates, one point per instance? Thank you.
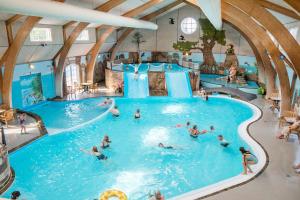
(212, 128)
(161, 145)
(115, 112)
(95, 152)
(105, 142)
(247, 159)
(15, 195)
(137, 114)
(223, 142)
(194, 132)
(106, 102)
(187, 125)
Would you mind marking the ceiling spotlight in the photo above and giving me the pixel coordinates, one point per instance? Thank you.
(31, 66)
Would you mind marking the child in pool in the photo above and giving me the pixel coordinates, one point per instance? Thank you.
(95, 152)
(105, 142)
(223, 142)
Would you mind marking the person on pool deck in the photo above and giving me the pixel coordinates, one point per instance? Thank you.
(106, 102)
(161, 145)
(223, 142)
(95, 152)
(105, 142)
(137, 114)
(22, 119)
(248, 159)
(115, 112)
(194, 132)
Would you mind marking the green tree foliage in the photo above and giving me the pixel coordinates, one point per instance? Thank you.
(184, 46)
(211, 33)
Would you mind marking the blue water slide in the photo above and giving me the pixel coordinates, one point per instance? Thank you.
(178, 84)
(136, 87)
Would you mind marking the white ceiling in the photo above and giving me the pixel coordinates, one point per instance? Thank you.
(131, 4)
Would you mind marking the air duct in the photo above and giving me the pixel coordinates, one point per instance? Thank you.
(63, 11)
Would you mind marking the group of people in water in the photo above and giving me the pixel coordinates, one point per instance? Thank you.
(247, 157)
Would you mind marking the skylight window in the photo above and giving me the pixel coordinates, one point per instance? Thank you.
(84, 36)
(188, 25)
(40, 35)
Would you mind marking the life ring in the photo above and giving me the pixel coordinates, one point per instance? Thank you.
(113, 193)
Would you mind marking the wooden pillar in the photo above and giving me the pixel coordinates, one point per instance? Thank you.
(96, 48)
(12, 55)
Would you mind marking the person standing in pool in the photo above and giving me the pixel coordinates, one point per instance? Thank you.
(115, 112)
(137, 114)
(95, 152)
(105, 142)
(247, 159)
(223, 142)
(194, 132)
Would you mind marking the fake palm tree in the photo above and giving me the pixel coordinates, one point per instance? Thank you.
(138, 38)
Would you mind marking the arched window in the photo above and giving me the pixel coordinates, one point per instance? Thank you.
(72, 75)
(188, 25)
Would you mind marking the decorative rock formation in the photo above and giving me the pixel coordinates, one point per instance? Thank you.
(231, 58)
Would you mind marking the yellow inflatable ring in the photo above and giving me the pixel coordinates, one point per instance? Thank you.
(113, 193)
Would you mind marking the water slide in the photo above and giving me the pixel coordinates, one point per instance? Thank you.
(178, 84)
(136, 88)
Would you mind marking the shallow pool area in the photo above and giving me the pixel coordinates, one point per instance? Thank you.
(53, 167)
(216, 79)
(156, 67)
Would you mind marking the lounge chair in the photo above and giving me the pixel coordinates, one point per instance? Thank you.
(287, 117)
(7, 116)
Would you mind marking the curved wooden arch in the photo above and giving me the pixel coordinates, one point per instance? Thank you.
(294, 3)
(12, 55)
(96, 48)
(274, 26)
(69, 42)
(261, 56)
(240, 19)
(257, 47)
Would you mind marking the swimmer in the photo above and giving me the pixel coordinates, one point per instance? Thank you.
(212, 128)
(156, 196)
(115, 112)
(95, 152)
(137, 114)
(223, 142)
(187, 125)
(194, 132)
(105, 142)
(248, 159)
(161, 145)
(106, 102)
(15, 195)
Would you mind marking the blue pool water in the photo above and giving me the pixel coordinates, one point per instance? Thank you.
(67, 114)
(144, 67)
(214, 78)
(53, 167)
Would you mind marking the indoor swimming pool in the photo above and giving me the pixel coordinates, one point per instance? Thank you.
(53, 167)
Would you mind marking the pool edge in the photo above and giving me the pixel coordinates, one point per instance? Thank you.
(233, 182)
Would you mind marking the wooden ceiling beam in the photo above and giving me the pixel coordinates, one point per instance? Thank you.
(148, 17)
(238, 17)
(12, 55)
(279, 9)
(274, 26)
(13, 19)
(247, 24)
(294, 3)
(69, 41)
(96, 48)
